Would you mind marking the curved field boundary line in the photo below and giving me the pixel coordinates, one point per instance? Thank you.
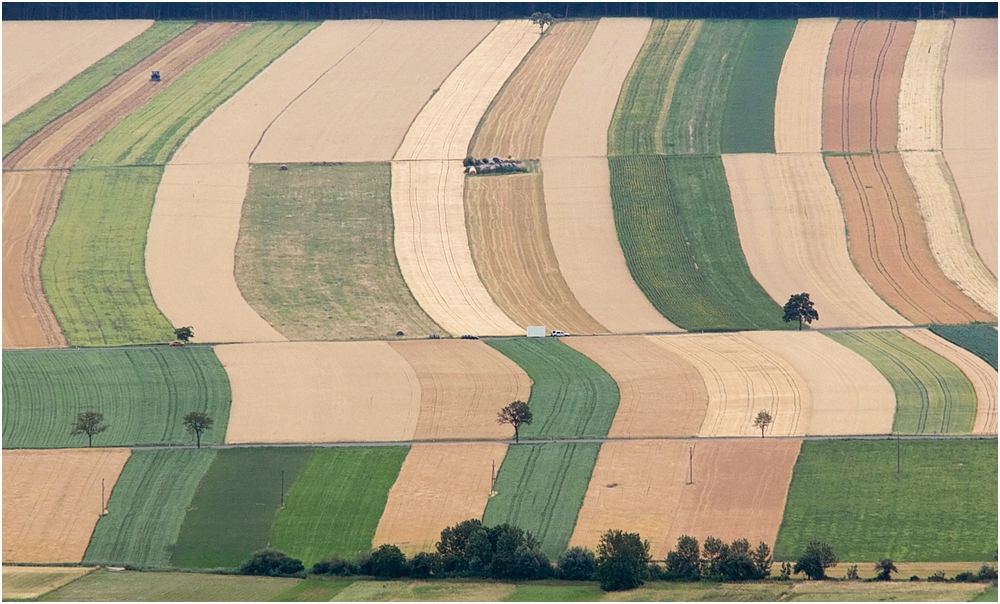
(661, 394)
(303, 392)
(947, 229)
(798, 105)
(743, 378)
(922, 86)
(791, 228)
(849, 395)
(982, 376)
(52, 501)
(438, 486)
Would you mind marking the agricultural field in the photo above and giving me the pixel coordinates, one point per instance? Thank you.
(315, 258)
(147, 507)
(143, 393)
(130, 586)
(29, 582)
(798, 105)
(980, 340)
(571, 396)
(927, 512)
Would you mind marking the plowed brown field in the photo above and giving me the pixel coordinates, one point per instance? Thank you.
(438, 486)
(849, 395)
(922, 86)
(52, 501)
(798, 107)
(661, 394)
(888, 241)
(509, 241)
(41, 56)
(361, 104)
(743, 378)
(791, 229)
(861, 88)
(462, 386)
(306, 392)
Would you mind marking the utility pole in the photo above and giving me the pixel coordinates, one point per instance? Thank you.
(282, 488)
(691, 465)
(103, 508)
(898, 466)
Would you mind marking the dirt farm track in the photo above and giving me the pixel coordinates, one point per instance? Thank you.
(362, 220)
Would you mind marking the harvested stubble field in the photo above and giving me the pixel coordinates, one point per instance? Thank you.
(52, 500)
(334, 507)
(30, 582)
(130, 586)
(233, 509)
(798, 104)
(426, 591)
(540, 488)
(439, 485)
(147, 508)
(941, 507)
(678, 231)
(922, 86)
(571, 395)
(315, 257)
(142, 392)
(980, 340)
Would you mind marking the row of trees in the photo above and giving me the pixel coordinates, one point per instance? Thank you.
(92, 423)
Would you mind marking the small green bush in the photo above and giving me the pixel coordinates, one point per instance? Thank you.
(576, 564)
(336, 566)
(386, 562)
(272, 563)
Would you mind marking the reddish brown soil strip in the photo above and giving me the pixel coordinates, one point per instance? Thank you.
(463, 385)
(662, 395)
(887, 240)
(863, 72)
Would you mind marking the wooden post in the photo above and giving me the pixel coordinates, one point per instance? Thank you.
(691, 465)
(282, 488)
(899, 468)
(102, 498)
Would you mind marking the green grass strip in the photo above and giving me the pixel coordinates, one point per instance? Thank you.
(932, 394)
(571, 396)
(315, 256)
(556, 592)
(334, 508)
(677, 229)
(147, 507)
(87, 82)
(143, 393)
(541, 488)
(150, 135)
(234, 507)
(127, 586)
(313, 589)
(941, 508)
(748, 120)
(980, 340)
(94, 267)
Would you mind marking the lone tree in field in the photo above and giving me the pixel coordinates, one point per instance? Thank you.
(89, 423)
(884, 569)
(516, 414)
(197, 422)
(801, 308)
(622, 561)
(184, 334)
(815, 560)
(541, 20)
(762, 421)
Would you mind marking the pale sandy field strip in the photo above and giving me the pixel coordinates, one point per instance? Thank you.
(302, 392)
(52, 501)
(947, 229)
(661, 394)
(922, 86)
(792, 231)
(742, 378)
(849, 395)
(798, 106)
(361, 106)
(462, 386)
(982, 376)
(41, 56)
(970, 128)
(438, 486)
(28, 582)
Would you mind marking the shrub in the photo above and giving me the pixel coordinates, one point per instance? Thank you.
(576, 564)
(937, 577)
(914, 578)
(336, 566)
(966, 577)
(884, 569)
(386, 562)
(272, 563)
(425, 564)
(622, 561)
(987, 572)
(852, 572)
(815, 560)
(683, 562)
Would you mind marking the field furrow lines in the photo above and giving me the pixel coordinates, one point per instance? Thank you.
(798, 106)
(922, 86)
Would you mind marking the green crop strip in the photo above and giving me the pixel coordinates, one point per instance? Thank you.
(541, 488)
(941, 507)
(335, 506)
(980, 340)
(932, 394)
(86, 83)
(147, 507)
(315, 256)
(126, 586)
(571, 396)
(143, 393)
(748, 120)
(234, 507)
(677, 229)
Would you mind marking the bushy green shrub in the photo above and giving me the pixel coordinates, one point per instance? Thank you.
(576, 564)
(336, 566)
(386, 562)
(272, 563)
(622, 561)
(426, 564)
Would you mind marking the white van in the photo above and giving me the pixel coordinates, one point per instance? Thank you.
(558, 333)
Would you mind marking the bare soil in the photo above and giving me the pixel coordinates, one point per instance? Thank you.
(798, 107)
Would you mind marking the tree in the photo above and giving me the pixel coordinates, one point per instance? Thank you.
(884, 569)
(386, 562)
(800, 308)
(622, 561)
(272, 563)
(762, 421)
(197, 422)
(516, 414)
(184, 334)
(576, 564)
(683, 562)
(541, 20)
(815, 560)
(89, 423)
